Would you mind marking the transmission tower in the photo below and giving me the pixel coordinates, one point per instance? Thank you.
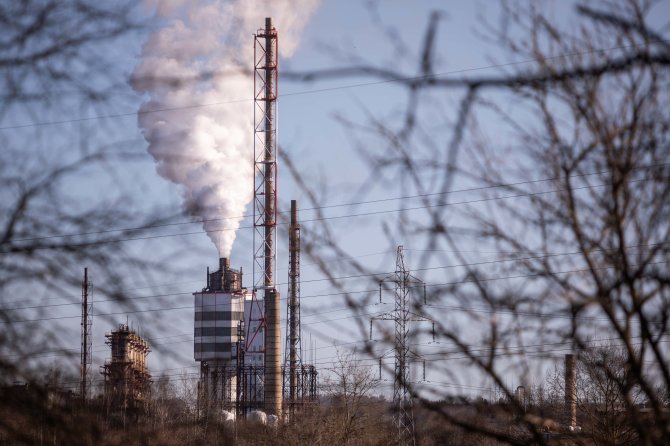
(403, 416)
(86, 324)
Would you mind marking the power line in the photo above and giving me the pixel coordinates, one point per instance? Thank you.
(381, 200)
(458, 282)
(95, 315)
(315, 91)
(483, 351)
(99, 348)
(363, 214)
(485, 262)
(356, 276)
(329, 261)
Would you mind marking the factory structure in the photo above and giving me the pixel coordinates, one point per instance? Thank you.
(237, 335)
(228, 342)
(127, 381)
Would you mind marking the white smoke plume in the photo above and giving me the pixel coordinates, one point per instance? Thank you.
(192, 69)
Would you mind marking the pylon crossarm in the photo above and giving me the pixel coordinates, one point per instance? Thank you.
(384, 317)
(413, 279)
(418, 317)
(391, 277)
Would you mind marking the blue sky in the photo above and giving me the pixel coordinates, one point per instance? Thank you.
(319, 145)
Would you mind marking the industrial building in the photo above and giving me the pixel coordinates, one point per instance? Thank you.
(228, 342)
(127, 381)
(237, 336)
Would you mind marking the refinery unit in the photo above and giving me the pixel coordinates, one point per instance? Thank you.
(229, 340)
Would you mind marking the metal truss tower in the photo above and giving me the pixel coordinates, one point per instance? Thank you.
(402, 315)
(86, 324)
(265, 205)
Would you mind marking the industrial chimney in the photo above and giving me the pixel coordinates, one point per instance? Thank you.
(294, 303)
(265, 206)
(570, 392)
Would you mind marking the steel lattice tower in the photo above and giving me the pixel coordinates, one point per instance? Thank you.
(265, 206)
(403, 416)
(86, 324)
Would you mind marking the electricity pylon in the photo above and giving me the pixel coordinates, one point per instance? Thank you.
(403, 415)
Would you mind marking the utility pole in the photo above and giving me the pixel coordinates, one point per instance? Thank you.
(86, 324)
(402, 315)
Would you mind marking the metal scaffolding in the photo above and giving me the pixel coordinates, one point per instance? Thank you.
(304, 389)
(126, 374)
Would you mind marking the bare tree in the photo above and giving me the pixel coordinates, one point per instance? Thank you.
(346, 393)
(601, 409)
(602, 373)
(572, 200)
(58, 67)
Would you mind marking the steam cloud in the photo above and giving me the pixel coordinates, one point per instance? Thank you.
(192, 72)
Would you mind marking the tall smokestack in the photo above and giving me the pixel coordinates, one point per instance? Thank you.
(269, 152)
(266, 164)
(293, 299)
(570, 391)
(86, 322)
